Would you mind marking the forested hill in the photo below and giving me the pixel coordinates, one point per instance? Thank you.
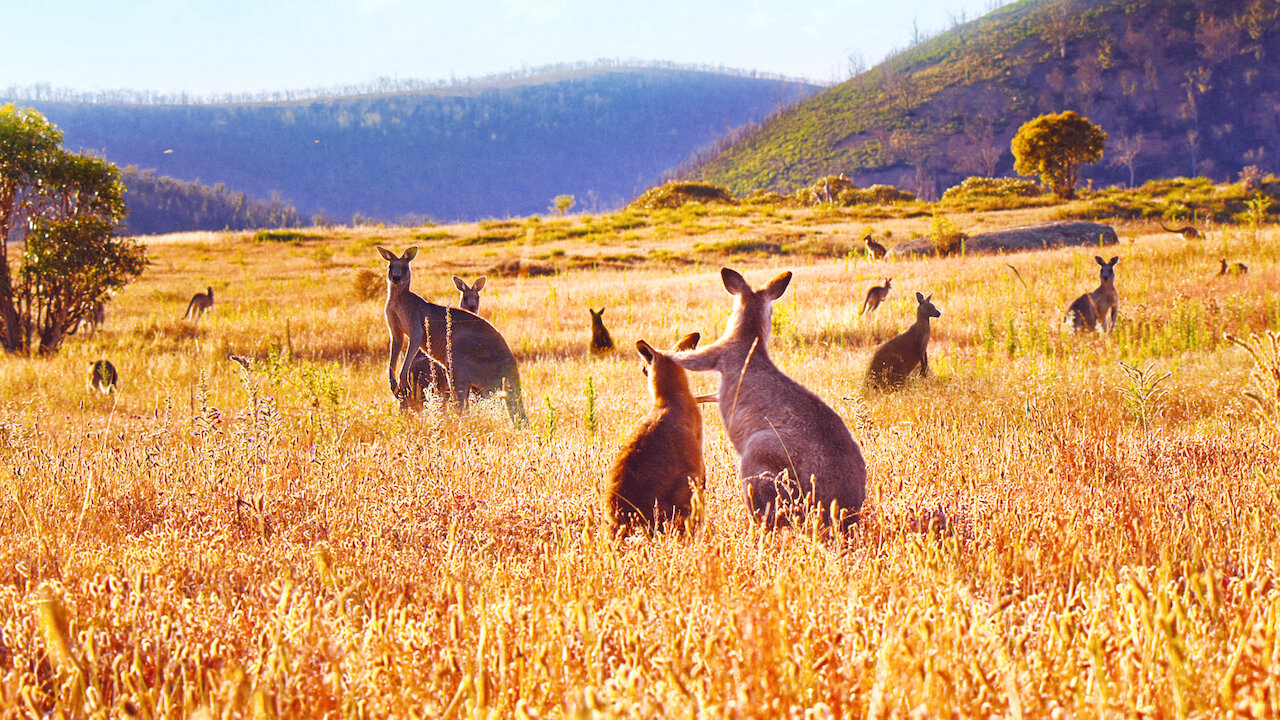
(1183, 87)
(490, 149)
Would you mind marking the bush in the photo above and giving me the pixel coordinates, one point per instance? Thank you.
(945, 236)
(840, 190)
(367, 284)
(977, 188)
(875, 195)
(1177, 199)
(675, 194)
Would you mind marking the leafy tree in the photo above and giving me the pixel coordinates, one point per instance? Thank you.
(1055, 146)
(61, 210)
(563, 203)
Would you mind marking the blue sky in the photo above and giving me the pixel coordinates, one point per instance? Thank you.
(233, 46)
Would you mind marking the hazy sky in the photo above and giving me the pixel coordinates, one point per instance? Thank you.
(221, 46)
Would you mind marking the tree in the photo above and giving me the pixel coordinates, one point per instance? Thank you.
(1055, 146)
(563, 203)
(61, 210)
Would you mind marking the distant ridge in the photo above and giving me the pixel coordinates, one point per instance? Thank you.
(503, 147)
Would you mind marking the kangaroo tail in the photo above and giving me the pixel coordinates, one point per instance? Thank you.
(190, 305)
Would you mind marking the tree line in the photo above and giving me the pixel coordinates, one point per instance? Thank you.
(158, 204)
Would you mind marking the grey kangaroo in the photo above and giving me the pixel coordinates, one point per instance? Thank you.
(794, 450)
(469, 295)
(874, 249)
(1099, 307)
(875, 296)
(199, 303)
(466, 344)
(893, 361)
(103, 376)
(601, 340)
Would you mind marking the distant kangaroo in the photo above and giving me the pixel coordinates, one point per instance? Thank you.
(794, 450)
(601, 340)
(199, 303)
(1100, 306)
(1187, 232)
(1235, 268)
(103, 376)
(893, 361)
(652, 481)
(469, 295)
(875, 296)
(481, 360)
(875, 249)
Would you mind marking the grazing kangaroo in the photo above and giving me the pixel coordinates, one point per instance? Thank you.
(103, 376)
(1100, 306)
(469, 295)
(652, 481)
(199, 303)
(1187, 232)
(874, 249)
(794, 450)
(893, 361)
(875, 296)
(601, 340)
(1235, 268)
(481, 360)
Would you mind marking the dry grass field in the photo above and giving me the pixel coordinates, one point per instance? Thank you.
(1045, 535)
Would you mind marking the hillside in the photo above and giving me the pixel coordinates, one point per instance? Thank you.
(602, 134)
(159, 204)
(1183, 87)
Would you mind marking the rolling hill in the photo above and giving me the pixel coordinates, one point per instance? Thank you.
(1183, 87)
(489, 148)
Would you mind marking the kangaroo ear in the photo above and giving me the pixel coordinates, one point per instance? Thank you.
(410, 254)
(479, 285)
(460, 284)
(929, 299)
(689, 342)
(919, 298)
(777, 286)
(1113, 262)
(734, 282)
(645, 351)
(386, 254)
(1099, 260)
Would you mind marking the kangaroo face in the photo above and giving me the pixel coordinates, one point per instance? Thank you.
(469, 295)
(398, 267)
(753, 309)
(666, 378)
(925, 307)
(1107, 272)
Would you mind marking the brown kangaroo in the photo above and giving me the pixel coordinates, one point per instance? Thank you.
(652, 481)
(426, 375)
(794, 450)
(601, 340)
(893, 361)
(1235, 268)
(103, 376)
(875, 249)
(875, 296)
(199, 303)
(472, 350)
(469, 295)
(1100, 306)
(1188, 232)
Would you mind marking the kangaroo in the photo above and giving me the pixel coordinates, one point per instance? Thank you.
(1235, 268)
(481, 360)
(601, 340)
(103, 376)
(426, 374)
(794, 450)
(199, 303)
(874, 249)
(652, 481)
(1100, 306)
(469, 295)
(1187, 232)
(893, 361)
(875, 296)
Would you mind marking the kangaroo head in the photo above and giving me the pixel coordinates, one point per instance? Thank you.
(597, 316)
(888, 283)
(398, 267)
(925, 308)
(665, 376)
(1108, 268)
(469, 295)
(752, 309)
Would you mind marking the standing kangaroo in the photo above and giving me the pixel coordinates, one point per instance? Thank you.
(893, 361)
(793, 449)
(601, 340)
(1235, 268)
(875, 296)
(199, 303)
(652, 481)
(1100, 306)
(103, 376)
(874, 249)
(466, 344)
(469, 295)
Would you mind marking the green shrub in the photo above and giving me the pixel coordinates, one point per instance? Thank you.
(675, 194)
(944, 235)
(977, 187)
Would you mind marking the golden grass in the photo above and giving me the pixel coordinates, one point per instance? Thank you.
(281, 541)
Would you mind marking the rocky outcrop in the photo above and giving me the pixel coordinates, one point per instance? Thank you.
(1047, 236)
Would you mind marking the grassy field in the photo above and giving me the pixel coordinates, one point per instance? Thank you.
(1045, 535)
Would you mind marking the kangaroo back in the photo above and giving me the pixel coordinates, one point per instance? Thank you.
(601, 340)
